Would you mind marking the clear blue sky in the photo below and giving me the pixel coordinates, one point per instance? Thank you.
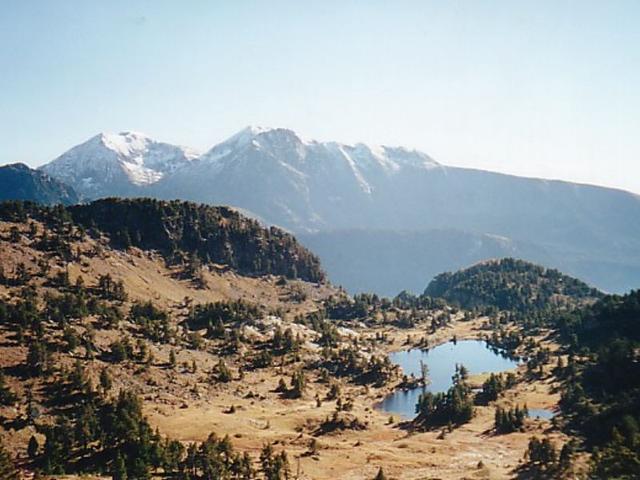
(540, 88)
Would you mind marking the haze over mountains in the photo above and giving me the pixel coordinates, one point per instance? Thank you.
(19, 182)
(380, 218)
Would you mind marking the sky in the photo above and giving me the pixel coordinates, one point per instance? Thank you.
(540, 88)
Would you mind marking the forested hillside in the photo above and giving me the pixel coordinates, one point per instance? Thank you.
(130, 349)
(104, 348)
(510, 284)
(89, 330)
(184, 231)
(602, 382)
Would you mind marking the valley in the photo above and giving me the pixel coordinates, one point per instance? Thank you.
(358, 454)
(319, 240)
(289, 374)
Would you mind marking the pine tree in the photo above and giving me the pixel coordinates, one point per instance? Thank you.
(298, 384)
(568, 449)
(32, 449)
(105, 380)
(78, 376)
(37, 358)
(380, 475)
(282, 386)
(7, 397)
(274, 466)
(119, 469)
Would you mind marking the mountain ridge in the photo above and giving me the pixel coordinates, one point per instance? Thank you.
(20, 182)
(306, 187)
(201, 233)
(197, 154)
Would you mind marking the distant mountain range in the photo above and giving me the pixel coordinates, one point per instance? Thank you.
(381, 218)
(19, 182)
(381, 260)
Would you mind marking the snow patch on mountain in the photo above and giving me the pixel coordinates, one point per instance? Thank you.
(284, 143)
(117, 163)
(356, 172)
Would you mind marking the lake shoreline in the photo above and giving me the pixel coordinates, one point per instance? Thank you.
(462, 330)
(477, 355)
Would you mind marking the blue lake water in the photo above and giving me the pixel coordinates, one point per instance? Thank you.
(475, 355)
(543, 413)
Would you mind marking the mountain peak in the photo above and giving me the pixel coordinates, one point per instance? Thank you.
(256, 129)
(124, 143)
(245, 135)
(117, 163)
(256, 137)
(252, 132)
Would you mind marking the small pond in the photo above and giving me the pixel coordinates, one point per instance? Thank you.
(475, 355)
(542, 413)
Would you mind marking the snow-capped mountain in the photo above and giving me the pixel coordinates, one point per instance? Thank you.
(360, 158)
(291, 181)
(325, 190)
(117, 164)
(329, 188)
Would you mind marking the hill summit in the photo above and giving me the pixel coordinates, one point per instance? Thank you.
(510, 284)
